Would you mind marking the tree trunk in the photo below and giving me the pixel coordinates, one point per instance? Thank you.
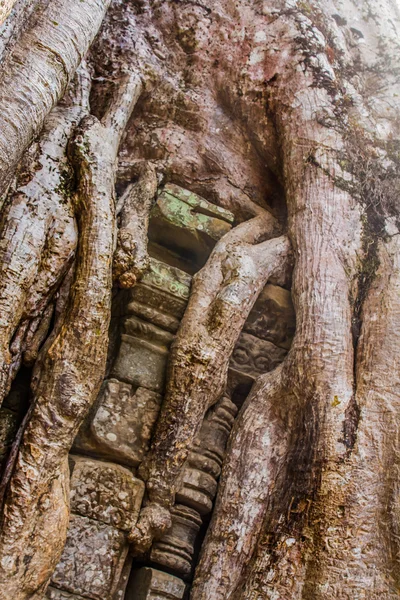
(286, 114)
(36, 74)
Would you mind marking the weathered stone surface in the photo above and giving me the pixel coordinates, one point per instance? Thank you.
(151, 584)
(198, 487)
(199, 477)
(143, 353)
(273, 317)
(55, 594)
(120, 424)
(238, 386)
(175, 549)
(105, 492)
(187, 223)
(161, 296)
(168, 279)
(253, 356)
(92, 560)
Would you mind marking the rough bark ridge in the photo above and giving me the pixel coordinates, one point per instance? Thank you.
(37, 252)
(36, 74)
(222, 296)
(282, 107)
(71, 368)
(131, 258)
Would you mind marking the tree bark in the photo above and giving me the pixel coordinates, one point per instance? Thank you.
(222, 296)
(36, 74)
(281, 107)
(72, 368)
(37, 251)
(5, 9)
(131, 258)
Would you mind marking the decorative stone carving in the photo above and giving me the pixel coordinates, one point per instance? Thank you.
(203, 467)
(105, 492)
(151, 584)
(142, 356)
(92, 559)
(253, 356)
(187, 224)
(272, 317)
(161, 296)
(120, 425)
(175, 549)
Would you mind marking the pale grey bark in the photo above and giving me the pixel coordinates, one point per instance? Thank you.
(35, 76)
(39, 220)
(72, 366)
(131, 258)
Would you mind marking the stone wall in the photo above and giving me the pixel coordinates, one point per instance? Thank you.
(106, 494)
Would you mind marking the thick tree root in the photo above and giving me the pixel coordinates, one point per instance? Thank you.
(38, 236)
(71, 370)
(222, 296)
(131, 258)
(38, 71)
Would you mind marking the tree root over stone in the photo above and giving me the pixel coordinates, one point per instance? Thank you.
(36, 506)
(222, 296)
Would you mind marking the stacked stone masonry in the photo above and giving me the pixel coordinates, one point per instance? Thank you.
(106, 495)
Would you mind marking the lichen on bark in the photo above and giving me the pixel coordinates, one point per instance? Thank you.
(285, 113)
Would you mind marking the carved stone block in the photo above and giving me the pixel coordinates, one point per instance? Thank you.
(142, 356)
(187, 224)
(253, 356)
(92, 559)
(151, 584)
(272, 317)
(198, 487)
(161, 296)
(105, 492)
(203, 467)
(175, 549)
(121, 423)
(53, 593)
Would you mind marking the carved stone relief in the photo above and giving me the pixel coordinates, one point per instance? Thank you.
(56, 594)
(187, 224)
(121, 423)
(142, 356)
(105, 492)
(92, 560)
(105, 503)
(161, 296)
(272, 317)
(253, 356)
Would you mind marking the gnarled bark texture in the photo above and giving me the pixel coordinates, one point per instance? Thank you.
(285, 113)
(36, 74)
(71, 369)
